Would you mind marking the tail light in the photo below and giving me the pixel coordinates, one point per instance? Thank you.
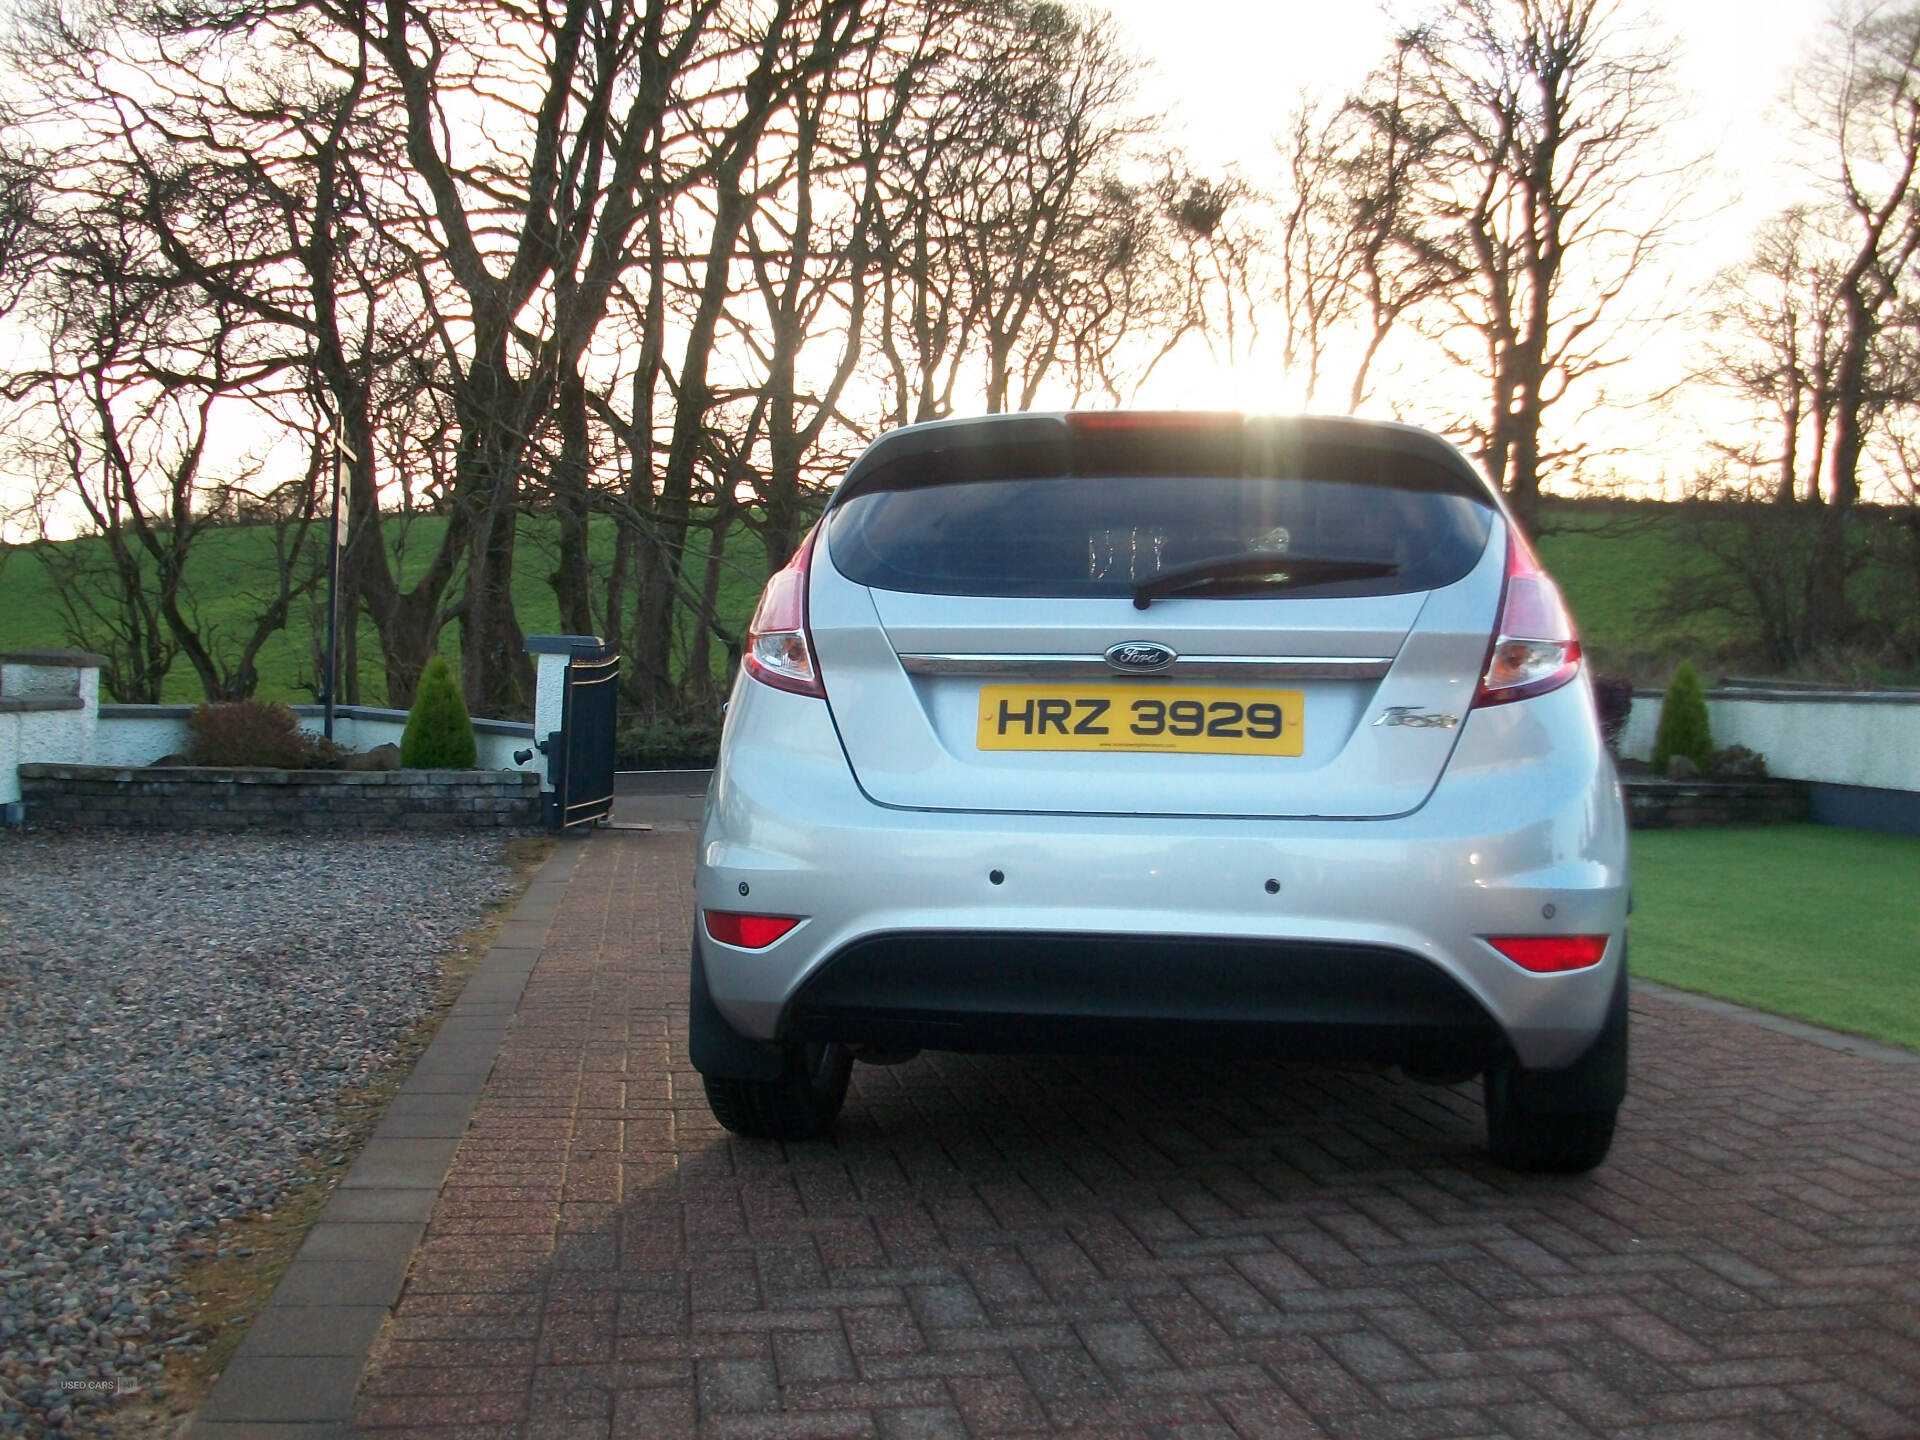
(749, 932)
(1551, 954)
(779, 649)
(1535, 648)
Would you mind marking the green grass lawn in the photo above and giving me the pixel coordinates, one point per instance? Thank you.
(1610, 576)
(228, 565)
(1614, 569)
(1810, 921)
(1613, 562)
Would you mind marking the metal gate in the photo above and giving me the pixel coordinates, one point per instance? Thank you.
(583, 778)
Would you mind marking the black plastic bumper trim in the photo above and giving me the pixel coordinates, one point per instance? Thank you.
(1597, 1080)
(1020, 992)
(715, 1047)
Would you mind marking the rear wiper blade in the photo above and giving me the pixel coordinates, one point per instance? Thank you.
(1259, 571)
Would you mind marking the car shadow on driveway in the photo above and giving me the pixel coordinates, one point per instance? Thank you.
(999, 1246)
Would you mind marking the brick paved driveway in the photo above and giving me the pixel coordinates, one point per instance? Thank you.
(996, 1247)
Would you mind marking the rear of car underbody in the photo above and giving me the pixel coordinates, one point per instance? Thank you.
(1129, 734)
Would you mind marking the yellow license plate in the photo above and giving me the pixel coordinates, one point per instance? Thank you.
(1192, 719)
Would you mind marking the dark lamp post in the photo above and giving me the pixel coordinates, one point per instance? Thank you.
(336, 541)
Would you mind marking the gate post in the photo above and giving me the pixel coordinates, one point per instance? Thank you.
(551, 656)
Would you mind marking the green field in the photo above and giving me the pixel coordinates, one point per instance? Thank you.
(1810, 921)
(1614, 567)
(226, 569)
(1613, 562)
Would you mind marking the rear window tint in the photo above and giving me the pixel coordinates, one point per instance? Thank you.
(1093, 535)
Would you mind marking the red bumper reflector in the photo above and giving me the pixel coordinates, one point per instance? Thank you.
(750, 932)
(1546, 954)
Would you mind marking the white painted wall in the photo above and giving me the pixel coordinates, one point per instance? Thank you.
(140, 739)
(36, 737)
(1837, 737)
(549, 692)
(48, 735)
(141, 734)
(10, 728)
(361, 728)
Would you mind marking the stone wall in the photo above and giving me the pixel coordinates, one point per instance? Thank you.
(1666, 804)
(188, 798)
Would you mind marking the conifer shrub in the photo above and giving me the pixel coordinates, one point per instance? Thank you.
(251, 733)
(439, 733)
(1684, 728)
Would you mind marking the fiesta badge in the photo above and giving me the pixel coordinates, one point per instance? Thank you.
(1140, 657)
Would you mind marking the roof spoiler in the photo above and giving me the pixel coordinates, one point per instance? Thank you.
(1171, 443)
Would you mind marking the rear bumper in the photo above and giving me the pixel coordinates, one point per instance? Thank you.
(993, 991)
(1117, 932)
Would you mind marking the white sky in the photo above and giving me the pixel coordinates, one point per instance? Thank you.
(1225, 72)
(1230, 67)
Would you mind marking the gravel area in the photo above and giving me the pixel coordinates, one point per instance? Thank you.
(176, 1013)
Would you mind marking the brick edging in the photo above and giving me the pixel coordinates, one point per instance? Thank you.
(299, 1367)
(1799, 1029)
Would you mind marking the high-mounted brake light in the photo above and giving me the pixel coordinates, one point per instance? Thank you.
(779, 649)
(1551, 954)
(1534, 648)
(749, 932)
(1152, 419)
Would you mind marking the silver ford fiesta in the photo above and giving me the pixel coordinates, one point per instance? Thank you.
(1120, 732)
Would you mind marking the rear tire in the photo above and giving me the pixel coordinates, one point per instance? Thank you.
(801, 1105)
(1543, 1143)
(1560, 1122)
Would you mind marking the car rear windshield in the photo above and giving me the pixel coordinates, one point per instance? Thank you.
(1102, 535)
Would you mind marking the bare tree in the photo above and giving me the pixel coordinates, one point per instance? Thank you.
(1553, 193)
(612, 263)
(1029, 228)
(1316, 242)
(101, 582)
(1386, 148)
(1008, 203)
(253, 194)
(1050, 114)
(1775, 322)
(1166, 258)
(19, 179)
(792, 54)
(119, 429)
(1861, 98)
(521, 229)
(923, 319)
(1354, 240)
(1751, 560)
(809, 250)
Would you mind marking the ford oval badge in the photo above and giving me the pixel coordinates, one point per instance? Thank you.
(1140, 657)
